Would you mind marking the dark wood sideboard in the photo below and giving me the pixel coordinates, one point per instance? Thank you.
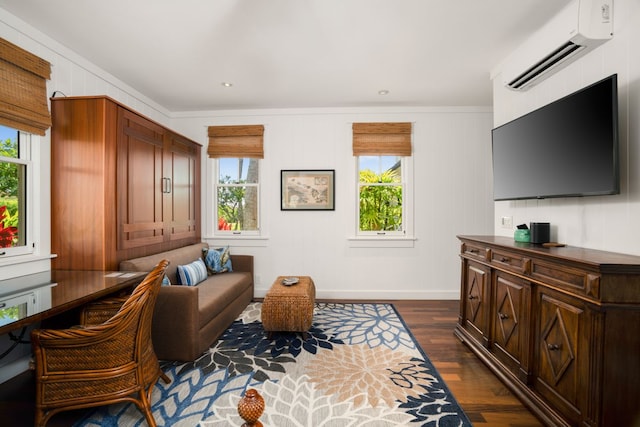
(559, 326)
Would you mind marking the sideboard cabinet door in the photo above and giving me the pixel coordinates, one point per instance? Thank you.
(475, 297)
(564, 339)
(511, 323)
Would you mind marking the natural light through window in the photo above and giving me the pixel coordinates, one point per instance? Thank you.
(380, 195)
(14, 169)
(237, 196)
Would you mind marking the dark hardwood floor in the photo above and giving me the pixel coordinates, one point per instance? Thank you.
(486, 401)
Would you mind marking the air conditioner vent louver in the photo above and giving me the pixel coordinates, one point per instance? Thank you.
(563, 53)
(580, 27)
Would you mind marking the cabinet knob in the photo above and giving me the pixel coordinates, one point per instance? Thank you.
(553, 347)
(503, 316)
(472, 296)
(474, 251)
(505, 259)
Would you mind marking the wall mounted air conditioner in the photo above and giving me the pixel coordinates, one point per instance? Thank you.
(580, 27)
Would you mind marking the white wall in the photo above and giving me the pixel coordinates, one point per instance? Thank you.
(452, 163)
(604, 222)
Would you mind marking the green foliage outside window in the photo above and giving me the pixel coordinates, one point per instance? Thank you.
(9, 183)
(238, 198)
(8, 315)
(380, 201)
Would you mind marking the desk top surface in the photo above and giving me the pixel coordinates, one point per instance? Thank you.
(57, 291)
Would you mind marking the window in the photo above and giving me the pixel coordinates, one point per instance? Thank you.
(384, 168)
(237, 151)
(237, 195)
(15, 176)
(380, 195)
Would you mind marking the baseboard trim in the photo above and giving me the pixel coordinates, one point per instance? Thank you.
(376, 295)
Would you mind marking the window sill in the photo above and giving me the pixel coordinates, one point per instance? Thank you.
(238, 241)
(22, 265)
(381, 242)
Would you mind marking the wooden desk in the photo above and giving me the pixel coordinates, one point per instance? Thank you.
(68, 290)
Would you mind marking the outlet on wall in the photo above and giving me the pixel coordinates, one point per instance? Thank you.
(507, 222)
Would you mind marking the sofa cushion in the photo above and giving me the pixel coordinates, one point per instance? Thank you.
(193, 273)
(176, 257)
(217, 292)
(218, 260)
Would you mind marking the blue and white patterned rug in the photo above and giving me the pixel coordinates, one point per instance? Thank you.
(360, 366)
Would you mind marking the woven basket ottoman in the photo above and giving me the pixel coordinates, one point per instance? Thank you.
(289, 308)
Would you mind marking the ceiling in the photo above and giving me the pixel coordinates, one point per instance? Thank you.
(294, 53)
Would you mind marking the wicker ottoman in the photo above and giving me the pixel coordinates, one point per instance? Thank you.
(289, 308)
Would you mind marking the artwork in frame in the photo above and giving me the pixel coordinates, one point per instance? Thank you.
(307, 190)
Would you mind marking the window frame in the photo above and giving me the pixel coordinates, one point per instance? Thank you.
(26, 146)
(225, 234)
(406, 182)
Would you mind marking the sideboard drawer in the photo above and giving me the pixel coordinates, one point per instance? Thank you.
(478, 252)
(511, 261)
(575, 280)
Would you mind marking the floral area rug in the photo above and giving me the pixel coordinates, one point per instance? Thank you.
(359, 366)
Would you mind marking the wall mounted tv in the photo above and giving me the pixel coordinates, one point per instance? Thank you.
(565, 149)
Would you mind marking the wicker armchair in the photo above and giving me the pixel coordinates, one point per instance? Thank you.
(94, 365)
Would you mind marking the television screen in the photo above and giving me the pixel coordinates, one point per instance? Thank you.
(564, 149)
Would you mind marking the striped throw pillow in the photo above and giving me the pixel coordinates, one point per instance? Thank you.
(192, 274)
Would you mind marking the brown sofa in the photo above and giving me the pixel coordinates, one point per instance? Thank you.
(188, 319)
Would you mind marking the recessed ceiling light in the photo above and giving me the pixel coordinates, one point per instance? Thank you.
(383, 92)
(226, 84)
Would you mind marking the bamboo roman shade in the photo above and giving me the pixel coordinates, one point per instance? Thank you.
(382, 139)
(23, 89)
(236, 141)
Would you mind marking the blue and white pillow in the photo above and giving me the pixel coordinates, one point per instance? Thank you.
(218, 260)
(166, 281)
(192, 274)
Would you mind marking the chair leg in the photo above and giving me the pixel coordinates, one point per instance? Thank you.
(165, 378)
(145, 407)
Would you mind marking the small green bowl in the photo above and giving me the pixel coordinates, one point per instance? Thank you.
(522, 236)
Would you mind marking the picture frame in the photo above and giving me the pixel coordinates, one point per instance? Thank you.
(307, 190)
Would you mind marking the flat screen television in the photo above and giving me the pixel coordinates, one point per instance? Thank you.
(567, 148)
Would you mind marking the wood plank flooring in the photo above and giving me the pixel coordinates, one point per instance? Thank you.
(486, 401)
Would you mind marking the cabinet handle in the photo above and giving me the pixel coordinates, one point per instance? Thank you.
(474, 251)
(553, 347)
(472, 297)
(166, 185)
(503, 316)
(505, 259)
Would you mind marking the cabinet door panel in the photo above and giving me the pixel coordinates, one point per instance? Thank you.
(562, 354)
(476, 301)
(139, 159)
(181, 168)
(510, 319)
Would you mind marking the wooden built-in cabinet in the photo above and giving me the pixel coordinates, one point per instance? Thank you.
(559, 326)
(122, 186)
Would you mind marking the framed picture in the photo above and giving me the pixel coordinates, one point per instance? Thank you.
(307, 190)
